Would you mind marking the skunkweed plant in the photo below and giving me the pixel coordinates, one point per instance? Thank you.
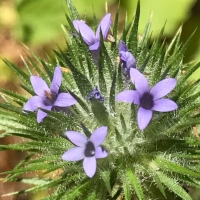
(109, 93)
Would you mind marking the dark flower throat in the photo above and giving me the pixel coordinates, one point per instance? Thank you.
(89, 149)
(146, 101)
(50, 98)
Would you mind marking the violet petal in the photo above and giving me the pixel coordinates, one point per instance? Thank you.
(129, 59)
(139, 80)
(163, 87)
(130, 62)
(164, 105)
(85, 31)
(98, 135)
(129, 96)
(89, 166)
(123, 55)
(143, 117)
(56, 82)
(100, 153)
(122, 46)
(74, 154)
(41, 114)
(64, 100)
(104, 25)
(94, 46)
(39, 86)
(95, 94)
(33, 103)
(76, 138)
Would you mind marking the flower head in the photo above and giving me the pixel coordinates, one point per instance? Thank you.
(95, 94)
(46, 97)
(127, 60)
(86, 149)
(93, 39)
(148, 99)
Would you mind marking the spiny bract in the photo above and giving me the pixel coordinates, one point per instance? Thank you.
(154, 163)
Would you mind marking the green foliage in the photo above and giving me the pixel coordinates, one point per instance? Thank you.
(162, 11)
(40, 21)
(151, 164)
(136, 185)
(32, 17)
(173, 186)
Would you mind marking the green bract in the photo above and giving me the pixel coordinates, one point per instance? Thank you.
(155, 163)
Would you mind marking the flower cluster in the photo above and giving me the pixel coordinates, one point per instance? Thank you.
(147, 100)
(106, 120)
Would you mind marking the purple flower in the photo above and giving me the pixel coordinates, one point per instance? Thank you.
(127, 60)
(86, 150)
(148, 99)
(91, 39)
(95, 94)
(46, 97)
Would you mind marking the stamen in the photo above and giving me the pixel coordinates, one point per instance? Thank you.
(48, 95)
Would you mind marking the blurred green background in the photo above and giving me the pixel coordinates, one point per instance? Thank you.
(38, 25)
